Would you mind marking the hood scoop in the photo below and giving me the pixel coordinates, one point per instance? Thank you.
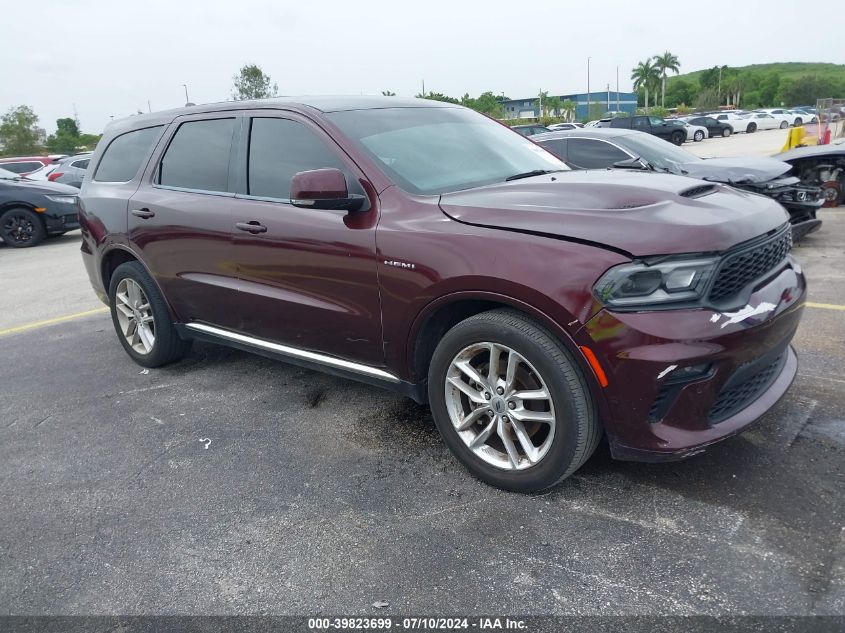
(698, 192)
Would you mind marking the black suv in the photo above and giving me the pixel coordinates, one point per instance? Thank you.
(30, 210)
(669, 130)
(714, 127)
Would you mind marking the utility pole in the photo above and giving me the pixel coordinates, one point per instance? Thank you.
(541, 102)
(617, 87)
(589, 96)
(187, 100)
(149, 107)
(608, 97)
(423, 86)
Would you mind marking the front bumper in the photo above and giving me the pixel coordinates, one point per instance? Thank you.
(59, 218)
(745, 363)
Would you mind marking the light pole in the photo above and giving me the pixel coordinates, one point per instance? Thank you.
(589, 96)
(617, 88)
(187, 100)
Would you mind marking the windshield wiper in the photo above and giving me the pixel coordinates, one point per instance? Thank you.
(535, 172)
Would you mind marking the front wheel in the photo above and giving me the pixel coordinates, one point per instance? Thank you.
(21, 228)
(726, 132)
(784, 125)
(752, 127)
(698, 136)
(678, 137)
(511, 403)
(141, 318)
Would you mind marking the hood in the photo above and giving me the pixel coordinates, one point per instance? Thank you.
(41, 186)
(814, 151)
(738, 170)
(637, 213)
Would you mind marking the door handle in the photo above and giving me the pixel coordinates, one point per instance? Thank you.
(144, 214)
(252, 226)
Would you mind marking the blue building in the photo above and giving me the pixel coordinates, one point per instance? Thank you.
(606, 100)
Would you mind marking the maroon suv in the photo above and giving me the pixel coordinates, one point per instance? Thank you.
(426, 248)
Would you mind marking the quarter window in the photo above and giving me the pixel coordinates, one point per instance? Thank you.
(123, 156)
(589, 154)
(198, 156)
(279, 149)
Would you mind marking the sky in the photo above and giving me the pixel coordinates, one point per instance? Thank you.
(113, 57)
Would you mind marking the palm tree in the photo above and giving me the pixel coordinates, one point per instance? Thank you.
(667, 62)
(388, 93)
(568, 108)
(644, 76)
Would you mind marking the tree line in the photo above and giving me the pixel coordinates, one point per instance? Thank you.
(19, 134)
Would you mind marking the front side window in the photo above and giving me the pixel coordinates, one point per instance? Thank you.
(433, 150)
(589, 154)
(198, 156)
(279, 149)
(123, 156)
(556, 146)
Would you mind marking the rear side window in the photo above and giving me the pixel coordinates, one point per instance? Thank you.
(198, 156)
(280, 148)
(80, 164)
(123, 156)
(589, 154)
(21, 168)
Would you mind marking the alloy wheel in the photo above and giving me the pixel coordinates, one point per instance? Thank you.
(500, 406)
(18, 228)
(135, 316)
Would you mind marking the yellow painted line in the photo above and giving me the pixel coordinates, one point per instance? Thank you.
(45, 322)
(810, 304)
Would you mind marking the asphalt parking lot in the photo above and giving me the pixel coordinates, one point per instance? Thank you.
(231, 484)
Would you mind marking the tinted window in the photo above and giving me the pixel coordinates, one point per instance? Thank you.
(198, 156)
(556, 146)
(80, 164)
(123, 157)
(280, 148)
(21, 168)
(589, 154)
(641, 123)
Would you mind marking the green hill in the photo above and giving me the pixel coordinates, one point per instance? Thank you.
(758, 85)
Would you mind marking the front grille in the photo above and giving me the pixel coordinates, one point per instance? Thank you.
(736, 398)
(743, 267)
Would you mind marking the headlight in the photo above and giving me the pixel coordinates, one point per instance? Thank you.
(62, 199)
(640, 283)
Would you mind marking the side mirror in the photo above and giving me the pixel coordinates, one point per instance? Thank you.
(324, 189)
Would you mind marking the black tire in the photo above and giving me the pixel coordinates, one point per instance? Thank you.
(168, 345)
(577, 430)
(784, 125)
(799, 121)
(21, 228)
(752, 127)
(726, 132)
(678, 137)
(698, 136)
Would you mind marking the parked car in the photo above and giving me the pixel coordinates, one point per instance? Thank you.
(739, 122)
(820, 165)
(24, 165)
(694, 132)
(805, 116)
(652, 125)
(784, 117)
(421, 246)
(71, 170)
(573, 125)
(43, 173)
(627, 149)
(713, 127)
(530, 129)
(32, 210)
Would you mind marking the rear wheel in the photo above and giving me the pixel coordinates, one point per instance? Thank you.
(678, 137)
(698, 136)
(21, 228)
(799, 121)
(511, 403)
(141, 318)
(784, 125)
(726, 132)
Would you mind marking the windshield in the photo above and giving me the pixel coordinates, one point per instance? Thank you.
(430, 150)
(660, 154)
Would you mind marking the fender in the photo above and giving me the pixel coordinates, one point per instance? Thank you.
(117, 246)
